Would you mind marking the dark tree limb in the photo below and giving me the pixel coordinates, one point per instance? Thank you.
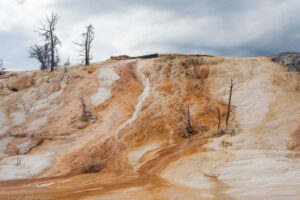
(219, 119)
(229, 103)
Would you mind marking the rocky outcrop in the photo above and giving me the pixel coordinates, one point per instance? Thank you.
(289, 59)
(125, 57)
(122, 57)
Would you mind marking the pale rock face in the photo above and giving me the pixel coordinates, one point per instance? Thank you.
(187, 172)
(134, 156)
(106, 77)
(102, 95)
(36, 124)
(18, 117)
(4, 142)
(138, 140)
(4, 122)
(4, 129)
(30, 165)
(43, 103)
(24, 147)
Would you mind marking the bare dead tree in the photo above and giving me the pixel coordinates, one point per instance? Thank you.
(47, 31)
(188, 124)
(219, 119)
(229, 103)
(86, 44)
(2, 69)
(85, 114)
(83, 106)
(41, 53)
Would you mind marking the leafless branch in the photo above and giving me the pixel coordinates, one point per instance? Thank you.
(41, 53)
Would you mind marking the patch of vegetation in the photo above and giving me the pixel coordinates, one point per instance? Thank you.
(86, 115)
(91, 168)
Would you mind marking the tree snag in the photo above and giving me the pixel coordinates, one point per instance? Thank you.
(86, 44)
(41, 53)
(47, 31)
(188, 124)
(219, 119)
(83, 106)
(229, 102)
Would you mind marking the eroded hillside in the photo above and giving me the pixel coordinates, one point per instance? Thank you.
(135, 131)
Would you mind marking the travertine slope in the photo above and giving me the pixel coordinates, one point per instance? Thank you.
(135, 130)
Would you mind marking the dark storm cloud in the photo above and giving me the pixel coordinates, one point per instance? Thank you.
(183, 7)
(230, 16)
(219, 27)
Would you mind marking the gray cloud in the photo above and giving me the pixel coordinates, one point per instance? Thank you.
(223, 28)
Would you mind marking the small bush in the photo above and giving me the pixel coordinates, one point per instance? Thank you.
(220, 133)
(91, 168)
(87, 115)
(201, 72)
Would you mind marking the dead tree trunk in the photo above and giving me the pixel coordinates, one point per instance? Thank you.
(83, 106)
(229, 102)
(52, 53)
(188, 124)
(219, 119)
(86, 44)
(87, 57)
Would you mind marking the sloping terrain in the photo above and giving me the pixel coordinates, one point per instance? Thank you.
(134, 133)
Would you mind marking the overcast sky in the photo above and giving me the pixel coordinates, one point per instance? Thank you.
(136, 27)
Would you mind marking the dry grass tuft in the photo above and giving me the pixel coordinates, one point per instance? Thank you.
(89, 69)
(201, 72)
